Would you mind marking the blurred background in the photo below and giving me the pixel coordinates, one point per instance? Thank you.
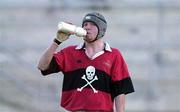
(147, 32)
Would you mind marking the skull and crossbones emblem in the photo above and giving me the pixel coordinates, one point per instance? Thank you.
(89, 78)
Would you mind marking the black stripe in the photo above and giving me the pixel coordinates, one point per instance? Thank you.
(72, 80)
(124, 86)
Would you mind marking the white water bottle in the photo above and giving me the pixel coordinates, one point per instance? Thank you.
(69, 28)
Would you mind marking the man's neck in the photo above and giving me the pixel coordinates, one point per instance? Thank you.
(95, 46)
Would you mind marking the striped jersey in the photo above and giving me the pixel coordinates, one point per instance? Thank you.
(91, 84)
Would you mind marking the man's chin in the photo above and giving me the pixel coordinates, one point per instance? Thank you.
(88, 40)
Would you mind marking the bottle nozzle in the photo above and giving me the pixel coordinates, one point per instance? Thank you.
(81, 32)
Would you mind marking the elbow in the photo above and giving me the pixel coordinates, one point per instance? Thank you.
(39, 67)
(44, 73)
(42, 67)
(42, 70)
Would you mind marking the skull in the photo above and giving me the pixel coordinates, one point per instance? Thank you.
(90, 72)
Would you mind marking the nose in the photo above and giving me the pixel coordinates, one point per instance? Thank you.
(86, 27)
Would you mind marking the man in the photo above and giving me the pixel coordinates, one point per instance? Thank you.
(95, 75)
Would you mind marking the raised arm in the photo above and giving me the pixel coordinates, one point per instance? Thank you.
(48, 54)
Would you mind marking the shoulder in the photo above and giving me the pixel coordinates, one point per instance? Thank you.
(117, 54)
(69, 48)
(66, 50)
(116, 51)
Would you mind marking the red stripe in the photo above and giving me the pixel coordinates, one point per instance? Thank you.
(86, 100)
(112, 64)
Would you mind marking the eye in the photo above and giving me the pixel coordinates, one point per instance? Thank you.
(85, 24)
(88, 72)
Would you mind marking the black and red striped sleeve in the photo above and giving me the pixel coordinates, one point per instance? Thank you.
(53, 68)
(121, 80)
(56, 63)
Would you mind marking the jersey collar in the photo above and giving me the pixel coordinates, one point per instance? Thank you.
(106, 47)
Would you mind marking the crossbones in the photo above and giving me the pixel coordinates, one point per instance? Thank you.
(90, 74)
(88, 83)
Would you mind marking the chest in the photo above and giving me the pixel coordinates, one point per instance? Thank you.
(102, 61)
(92, 55)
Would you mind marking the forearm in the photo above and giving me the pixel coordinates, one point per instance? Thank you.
(47, 57)
(120, 103)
